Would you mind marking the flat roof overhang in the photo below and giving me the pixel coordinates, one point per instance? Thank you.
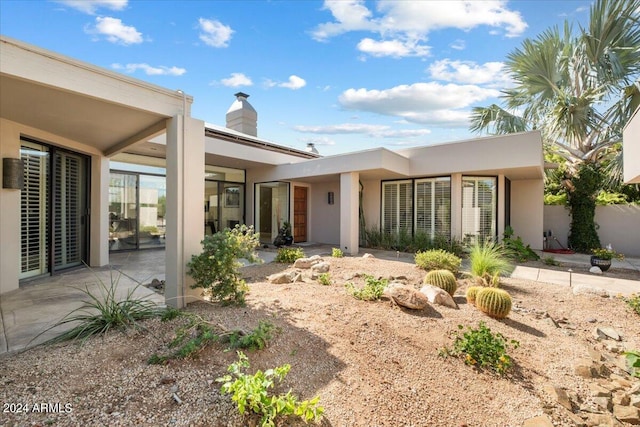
(98, 108)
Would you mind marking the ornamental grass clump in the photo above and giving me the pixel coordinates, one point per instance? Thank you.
(488, 262)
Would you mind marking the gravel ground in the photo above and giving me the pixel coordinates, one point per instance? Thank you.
(371, 363)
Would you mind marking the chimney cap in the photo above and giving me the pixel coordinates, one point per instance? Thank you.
(240, 95)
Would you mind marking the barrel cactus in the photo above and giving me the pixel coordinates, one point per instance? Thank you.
(494, 302)
(443, 279)
(472, 291)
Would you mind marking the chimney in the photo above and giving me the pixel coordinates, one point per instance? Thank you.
(311, 148)
(241, 116)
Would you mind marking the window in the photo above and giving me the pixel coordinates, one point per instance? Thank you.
(433, 206)
(479, 207)
(397, 207)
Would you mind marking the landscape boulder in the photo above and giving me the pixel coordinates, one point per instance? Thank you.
(439, 296)
(307, 262)
(319, 268)
(286, 277)
(406, 296)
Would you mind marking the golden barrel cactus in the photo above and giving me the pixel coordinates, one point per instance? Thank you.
(471, 293)
(494, 302)
(444, 279)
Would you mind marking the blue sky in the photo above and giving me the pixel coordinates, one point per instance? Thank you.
(346, 75)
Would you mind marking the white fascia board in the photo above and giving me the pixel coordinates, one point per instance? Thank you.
(32, 63)
(249, 153)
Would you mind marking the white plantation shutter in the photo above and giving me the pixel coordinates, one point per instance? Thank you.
(479, 207)
(397, 206)
(33, 205)
(433, 206)
(68, 210)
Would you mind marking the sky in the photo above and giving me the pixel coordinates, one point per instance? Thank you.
(346, 75)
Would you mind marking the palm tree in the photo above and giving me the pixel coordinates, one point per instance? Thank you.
(579, 89)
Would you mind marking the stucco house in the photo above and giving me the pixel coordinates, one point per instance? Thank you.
(96, 162)
(631, 153)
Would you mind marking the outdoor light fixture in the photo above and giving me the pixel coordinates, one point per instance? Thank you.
(330, 198)
(12, 173)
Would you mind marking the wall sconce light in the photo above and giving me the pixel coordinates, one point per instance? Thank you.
(330, 198)
(12, 173)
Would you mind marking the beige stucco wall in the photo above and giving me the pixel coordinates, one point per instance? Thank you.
(323, 217)
(10, 134)
(527, 213)
(631, 149)
(619, 225)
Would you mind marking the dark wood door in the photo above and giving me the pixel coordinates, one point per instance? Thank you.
(300, 214)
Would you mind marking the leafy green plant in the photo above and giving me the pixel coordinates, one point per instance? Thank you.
(337, 253)
(606, 253)
(488, 262)
(217, 268)
(371, 291)
(549, 260)
(438, 259)
(633, 361)
(516, 249)
(103, 310)
(289, 255)
(633, 301)
(482, 348)
(251, 392)
(405, 242)
(256, 340)
(324, 279)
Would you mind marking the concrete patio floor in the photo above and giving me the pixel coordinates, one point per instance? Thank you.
(40, 303)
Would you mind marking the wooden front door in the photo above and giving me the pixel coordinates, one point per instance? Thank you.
(300, 214)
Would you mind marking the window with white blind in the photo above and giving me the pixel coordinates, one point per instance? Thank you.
(433, 206)
(397, 207)
(479, 208)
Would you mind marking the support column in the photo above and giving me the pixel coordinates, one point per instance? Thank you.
(185, 196)
(349, 210)
(10, 216)
(99, 215)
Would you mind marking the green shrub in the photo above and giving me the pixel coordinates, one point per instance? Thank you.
(251, 392)
(437, 259)
(337, 253)
(371, 291)
(549, 260)
(255, 340)
(488, 262)
(633, 301)
(633, 362)
(216, 269)
(324, 279)
(289, 255)
(515, 248)
(405, 242)
(483, 349)
(102, 311)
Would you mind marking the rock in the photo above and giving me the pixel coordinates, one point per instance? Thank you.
(439, 296)
(634, 400)
(539, 421)
(603, 332)
(621, 399)
(560, 395)
(585, 369)
(280, 278)
(627, 414)
(599, 391)
(603, 420)
(367, 255)
(320, 268)
(595, 270)
(603, 403)
(406, 296)
(595, 354)
(576, 420)
(592, 320)
(590, 290)
(307, 262)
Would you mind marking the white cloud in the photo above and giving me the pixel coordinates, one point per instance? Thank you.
(424, 103)
(402, 26)
(294, 83)
(469, 72)
(149, 70)
(237, 79)
(458, 44)
(375, 131)
(394, 48)
(115, 31)
(214, 33)
(91, 6)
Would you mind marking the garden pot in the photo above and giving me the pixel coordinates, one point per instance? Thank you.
(288, 240)
(603, 264)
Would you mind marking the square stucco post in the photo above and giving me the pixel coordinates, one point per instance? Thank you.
(349, 209)
(456, 206)
(185, 195)
(9, 214)
(99, 215)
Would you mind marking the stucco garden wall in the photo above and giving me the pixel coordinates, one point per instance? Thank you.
(619, 225)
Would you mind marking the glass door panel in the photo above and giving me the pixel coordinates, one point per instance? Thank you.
(232, 209)
(211, 202)
(123, 215)
(152, 198)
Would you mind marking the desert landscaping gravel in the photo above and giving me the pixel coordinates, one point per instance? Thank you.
(371, 363)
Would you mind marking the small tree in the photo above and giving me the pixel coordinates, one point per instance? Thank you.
(216, 269)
